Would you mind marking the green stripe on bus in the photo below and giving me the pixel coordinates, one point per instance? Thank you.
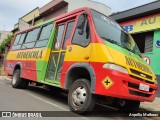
(124, 51)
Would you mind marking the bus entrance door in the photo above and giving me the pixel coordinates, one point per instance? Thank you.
(55, 63)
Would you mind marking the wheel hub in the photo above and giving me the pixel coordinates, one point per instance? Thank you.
(14, 80)
(79, 96)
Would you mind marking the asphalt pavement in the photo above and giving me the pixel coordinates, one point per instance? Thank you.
(38, 99)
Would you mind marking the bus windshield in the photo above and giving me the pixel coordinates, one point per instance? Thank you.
(112, 32)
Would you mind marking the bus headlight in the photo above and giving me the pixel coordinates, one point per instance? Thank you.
(115, 67)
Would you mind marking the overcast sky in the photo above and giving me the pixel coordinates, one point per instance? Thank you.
(12, 10)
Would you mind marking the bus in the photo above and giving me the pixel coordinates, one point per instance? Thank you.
(87, 54)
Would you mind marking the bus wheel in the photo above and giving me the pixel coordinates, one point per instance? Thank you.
(17, 81)
(80, 98)
(128, 105)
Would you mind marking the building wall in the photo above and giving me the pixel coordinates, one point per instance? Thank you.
(56, 13)
(154, 56)
(31, 15)
(75, 4)
(38, 21)
(3, 35)
(28, 17)
(16, 26)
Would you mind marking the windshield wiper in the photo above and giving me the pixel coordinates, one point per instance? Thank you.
(115, 42)
(124, 46)
(110, 40)
(119, 44)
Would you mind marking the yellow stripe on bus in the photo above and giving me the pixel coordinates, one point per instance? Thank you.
(95, 51)
(31, 54)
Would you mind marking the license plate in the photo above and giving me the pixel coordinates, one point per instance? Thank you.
(144, 87)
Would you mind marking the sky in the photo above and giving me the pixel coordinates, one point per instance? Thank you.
(12, 10)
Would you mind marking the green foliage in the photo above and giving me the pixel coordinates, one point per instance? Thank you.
(5, 43)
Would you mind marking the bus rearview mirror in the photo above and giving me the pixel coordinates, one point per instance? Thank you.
(81, 23)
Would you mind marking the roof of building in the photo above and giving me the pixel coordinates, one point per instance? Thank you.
(52, 6)
(146, 9)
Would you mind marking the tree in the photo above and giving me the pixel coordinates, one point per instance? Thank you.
(6, 43)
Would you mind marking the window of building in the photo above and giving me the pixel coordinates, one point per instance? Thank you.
(44, 36)
(84, 39)
(68, 33)
(144, 41)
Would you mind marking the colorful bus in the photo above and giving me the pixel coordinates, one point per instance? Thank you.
(87, 54)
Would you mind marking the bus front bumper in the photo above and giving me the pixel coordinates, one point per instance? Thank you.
(121, 85)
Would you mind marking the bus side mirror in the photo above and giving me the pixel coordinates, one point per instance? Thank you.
(81, 23)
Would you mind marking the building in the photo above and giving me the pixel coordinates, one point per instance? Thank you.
(59, 7)
(28, 19)
(143, 23)
(3, 35)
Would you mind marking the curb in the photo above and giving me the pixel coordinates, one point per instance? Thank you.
(5, 78)
(151, 106)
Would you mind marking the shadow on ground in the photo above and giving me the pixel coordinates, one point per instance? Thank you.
(99, 111)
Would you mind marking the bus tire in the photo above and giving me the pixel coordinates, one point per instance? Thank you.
(80, 98)
(24, 83)
(128, 105)
(17, 81)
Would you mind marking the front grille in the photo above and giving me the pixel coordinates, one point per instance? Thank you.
(139, 93)
(142, 79)
(135, 86)
(140, 74)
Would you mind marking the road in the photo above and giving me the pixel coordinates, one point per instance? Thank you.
(38, 99)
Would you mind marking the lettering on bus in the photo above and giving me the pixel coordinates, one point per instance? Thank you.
(137, 65)
(30, 55)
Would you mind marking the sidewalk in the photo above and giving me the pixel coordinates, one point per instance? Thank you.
(5, 77)
(151, 106)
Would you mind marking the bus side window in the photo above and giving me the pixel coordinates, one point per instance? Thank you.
(18, 42)
(44, 36)
(82, 38)
(31, 39)
(17, 39)
(68, 33)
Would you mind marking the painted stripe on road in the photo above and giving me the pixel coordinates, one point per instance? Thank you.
(55, 105)
(46, 101)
